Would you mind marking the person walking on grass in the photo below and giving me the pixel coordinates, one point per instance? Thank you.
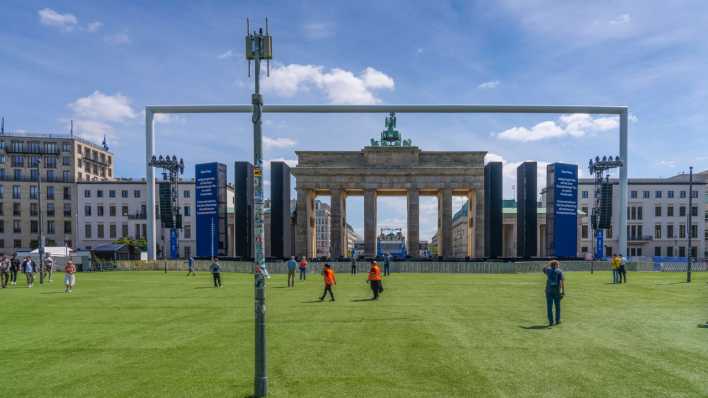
(555, 291)
(190, 267)
(374, 280)
(303, 268)
(622, 270)
(49, 266)
(69, 276)
(4, 271)
(329, 280)
(14, 269)
(292, 264)
(28, 269)
(387, 264)
(216, 271)
(615, 263)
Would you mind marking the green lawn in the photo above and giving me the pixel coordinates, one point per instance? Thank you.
(154, 334)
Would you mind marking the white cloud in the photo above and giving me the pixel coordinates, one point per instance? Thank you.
(49, 17)
(339, 85)
(318, 30)
(489, 85)
(667, 163)
(573, 125)
(621, 19)
(102, 107)
(94, 26)
(117, 39)
(93, 130)
(278, 142)
(226, 54)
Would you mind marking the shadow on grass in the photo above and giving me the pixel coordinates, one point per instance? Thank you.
(312, 301)
(205, 287)
(52, 292)
(279, 287)
(536, 327)
(364, 299)
(671, 283)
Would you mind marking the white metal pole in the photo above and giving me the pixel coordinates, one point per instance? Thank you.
(623, 182)
(150, 180)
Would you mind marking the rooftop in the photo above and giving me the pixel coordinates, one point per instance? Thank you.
(68, 137)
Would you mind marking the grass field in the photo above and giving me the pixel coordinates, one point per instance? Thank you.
(152, 334)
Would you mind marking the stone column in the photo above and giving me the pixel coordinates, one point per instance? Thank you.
(304, 228)
(413, 237)
(337, 225)
(445, 217)
(370, 222)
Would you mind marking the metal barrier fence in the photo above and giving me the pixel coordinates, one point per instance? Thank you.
(411, 266)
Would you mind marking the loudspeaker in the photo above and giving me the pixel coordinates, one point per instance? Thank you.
(243, 183)
(605, 216)
(166, 214)
(493, 217)
(527, 210)
(279, 210)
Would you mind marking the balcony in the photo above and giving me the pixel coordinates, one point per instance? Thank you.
(640, 239)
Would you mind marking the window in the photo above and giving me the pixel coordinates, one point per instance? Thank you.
(646, 194)
(124, 193)
(657, 211)
(669, 251)
(2, 243)
(99, 210)
(185, 194)
(584, 231)
(670, 194)
(136, 193)
(2, 159)
(50, 227)
(2, 226)
(17, 243)
(694, 194)
(124, 230)
(34, 192)
(87, 193)
(18, 161)
(187, 252)
(694, 211)
(16, 226)
(67, 193)
(50, 192)
(51, 162)
(670, 231)
(682, 231)
(585, 194)
(2, 191)
(633, 213)
(124, 210)
(187, 211)
(682, 195)
(639, 213)
(112, 231)
(18, 174)
(50, 210)
(100, 231)
(99, 193)
(584, 249)
(657, 251)
(51, 175)
(66, 160)
(2, 212)
(112, 193)
(34, 174)
(694, 231)
(682, 211)
(669, 211)
(52, 147)
(87, 211)
(67, 209)
(187, 231)
(112, 211)
(657, 194)
(584, 209)
(34, 209)
(657, 231)
(682, 251)
(16, 192)
(633, 194)
(16, 211)
(87, 231)
(66, 147)
(34, 226)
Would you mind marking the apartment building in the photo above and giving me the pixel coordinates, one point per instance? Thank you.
(38, 173)
(657, 213)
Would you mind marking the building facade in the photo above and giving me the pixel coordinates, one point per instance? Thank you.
(38, 175)
(658, 210)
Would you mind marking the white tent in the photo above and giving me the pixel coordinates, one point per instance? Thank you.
(55, 251)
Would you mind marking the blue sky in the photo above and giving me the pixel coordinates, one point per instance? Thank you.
(100, 63)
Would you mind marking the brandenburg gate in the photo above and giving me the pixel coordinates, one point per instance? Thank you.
(389, 167)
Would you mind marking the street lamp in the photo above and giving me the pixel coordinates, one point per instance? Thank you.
(690, 222)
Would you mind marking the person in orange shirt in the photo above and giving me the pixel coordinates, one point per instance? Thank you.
(69, 276)
(329, 280)
(375, 280)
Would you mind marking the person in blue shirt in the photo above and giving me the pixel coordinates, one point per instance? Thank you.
(555, 291)
(28, 268)
(216, 271)
(190, 266)
(292, 265)
(387, 264)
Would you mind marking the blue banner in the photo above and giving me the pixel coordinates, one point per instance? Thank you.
(599, 243)
(207, 206)
(173, 243)
(565, 209)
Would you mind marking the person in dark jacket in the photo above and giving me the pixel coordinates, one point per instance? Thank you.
(216, 271)
(14, 269)
(555, 291)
